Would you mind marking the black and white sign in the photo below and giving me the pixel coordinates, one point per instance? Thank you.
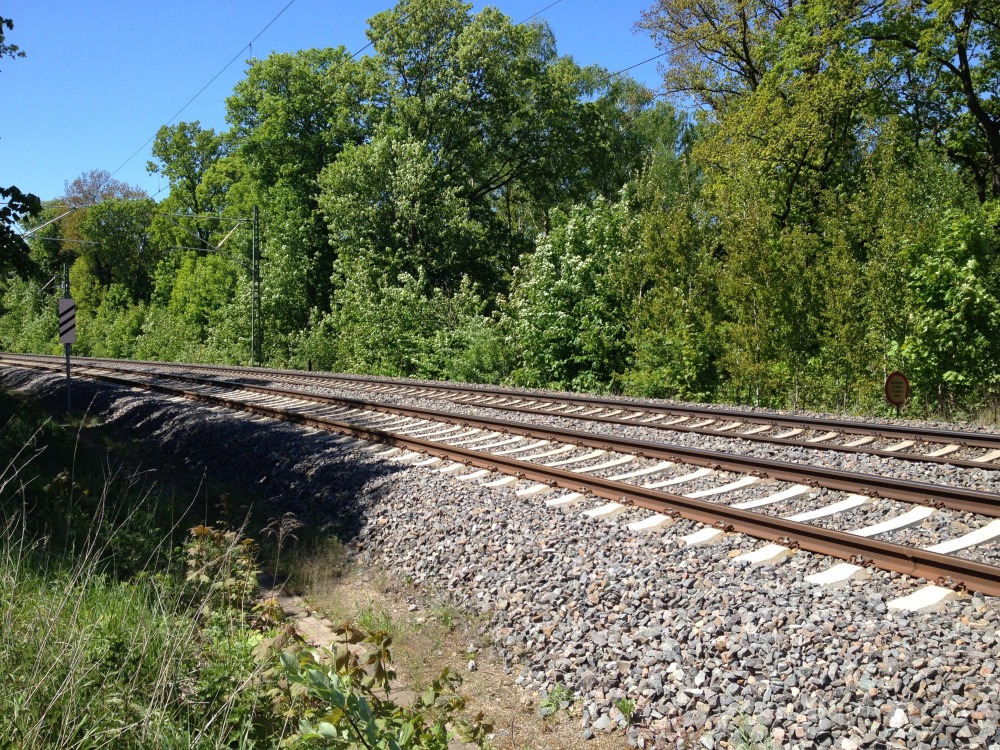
(67, 320)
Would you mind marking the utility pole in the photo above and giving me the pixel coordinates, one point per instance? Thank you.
(256, 346)
(256, 332)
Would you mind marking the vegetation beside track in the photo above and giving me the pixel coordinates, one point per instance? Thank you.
(129, 621)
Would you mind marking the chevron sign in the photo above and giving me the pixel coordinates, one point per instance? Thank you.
(67, 320)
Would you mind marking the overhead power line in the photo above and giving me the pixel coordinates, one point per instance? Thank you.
(248, 45)
(647, 60)
(538, 13)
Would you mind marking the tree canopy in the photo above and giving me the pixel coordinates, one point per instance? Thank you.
(811, 201)
(15, 205)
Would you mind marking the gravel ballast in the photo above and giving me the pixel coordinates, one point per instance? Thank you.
(710, 650)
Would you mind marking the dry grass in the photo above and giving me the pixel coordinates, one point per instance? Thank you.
(433, 635)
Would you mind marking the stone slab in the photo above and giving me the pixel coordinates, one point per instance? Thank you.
(564, 500)
(838, 575)
(521, 449)
(858, 442)
(661, 466)
(910, 518)
(851, 501)
(739, 484)
(605, 511)
(651, 522)
(535, 489)
(605, 465)
(794, 491)
(769, 554)
(679, 480)
(983, 534)
(707, 535)
(479, 474)
(823, 438)
(502, 482)
(928, 597)
(576, 459)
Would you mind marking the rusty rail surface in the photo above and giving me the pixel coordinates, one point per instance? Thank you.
(944, 569)
(963, 439)
(909, 491)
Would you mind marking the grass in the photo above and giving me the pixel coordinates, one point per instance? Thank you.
(113, 633)
(309, 564)
(750, 735)
(374, 619)
(128, 618)
(92, 660)
(559, 698)
(446, 614)
(626, 707)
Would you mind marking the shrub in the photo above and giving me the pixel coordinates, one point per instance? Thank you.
(338, 703)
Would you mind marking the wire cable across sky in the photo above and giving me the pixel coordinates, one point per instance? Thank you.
(248, 45)
(371, 42)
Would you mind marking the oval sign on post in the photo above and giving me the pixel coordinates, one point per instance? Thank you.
(897, 389)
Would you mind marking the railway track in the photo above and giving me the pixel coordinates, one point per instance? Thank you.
(964, 449)
(535, 460)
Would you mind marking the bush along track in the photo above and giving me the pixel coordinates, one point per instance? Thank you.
(130, 621)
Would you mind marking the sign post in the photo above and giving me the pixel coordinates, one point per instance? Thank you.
(67, 336)
(897, 389)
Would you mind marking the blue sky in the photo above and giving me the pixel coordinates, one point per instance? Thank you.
(100, 77)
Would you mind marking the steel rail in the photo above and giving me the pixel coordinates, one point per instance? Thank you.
(888, 431)
(927, 434)
(783, 442)
(904, 490)
(882, 431)
(944, 569)
(962, 463)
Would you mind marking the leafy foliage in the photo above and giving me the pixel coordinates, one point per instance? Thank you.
(465, 203)
(567, 316)
(15, 205)
(343, 701)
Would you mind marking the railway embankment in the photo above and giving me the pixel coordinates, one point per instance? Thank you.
(710, 650)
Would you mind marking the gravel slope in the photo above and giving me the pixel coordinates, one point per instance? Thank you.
(702, 644)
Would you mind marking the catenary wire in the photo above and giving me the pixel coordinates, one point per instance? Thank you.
(202, 89)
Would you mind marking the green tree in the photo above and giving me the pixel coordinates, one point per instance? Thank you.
(943, 75)
(15, 205)
(63, 241)
(115, 328)
(122, 251)
(391, 205)
(185, 152)
(717, 51)
(290, 117)
(400, 327)
(518, 129)
(673, 332)
(28, 320)
(951, 347)
(566, 320)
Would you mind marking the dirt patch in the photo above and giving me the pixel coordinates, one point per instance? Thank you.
(429, 635)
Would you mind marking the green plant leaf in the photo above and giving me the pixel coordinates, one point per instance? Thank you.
(406, 733)
(290, 662)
